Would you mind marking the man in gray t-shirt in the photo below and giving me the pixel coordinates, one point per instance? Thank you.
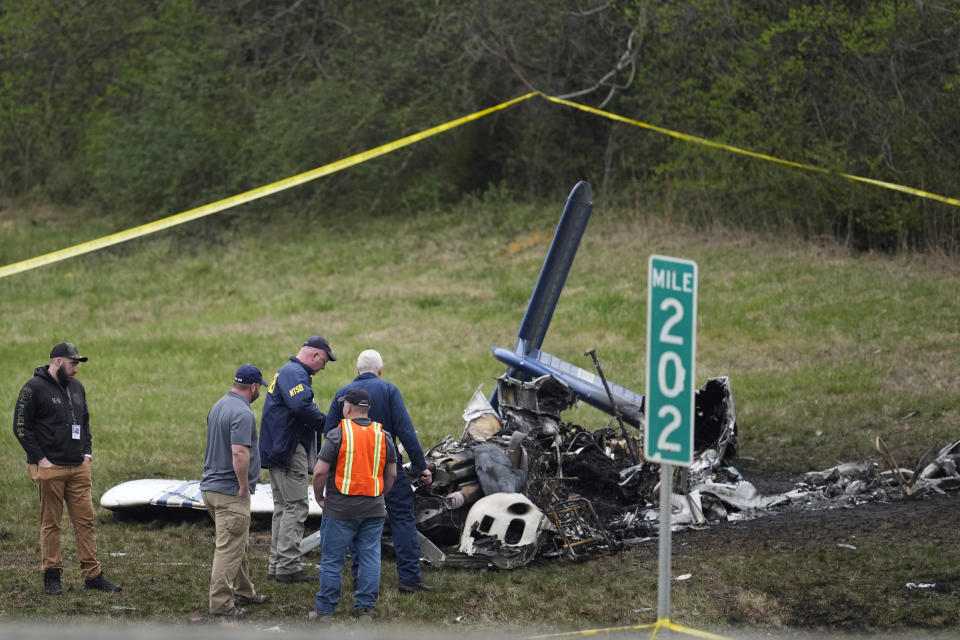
(346, 507)
(230, 422)
(231, 467)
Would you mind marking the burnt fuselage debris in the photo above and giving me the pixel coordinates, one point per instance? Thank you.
(858, 482)
(522, 483)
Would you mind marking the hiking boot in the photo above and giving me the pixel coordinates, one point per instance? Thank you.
(236, 612)
(51, 582)
(320, 618)
(364, 614)
(413, 588)
(101, 583)
(296, 576)
(244, 601)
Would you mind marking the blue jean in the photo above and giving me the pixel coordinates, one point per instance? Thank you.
(403, 529)
(362, 536)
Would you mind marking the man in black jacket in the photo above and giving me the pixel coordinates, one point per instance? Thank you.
(53, 426)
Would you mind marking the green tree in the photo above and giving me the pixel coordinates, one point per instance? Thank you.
(149, 108)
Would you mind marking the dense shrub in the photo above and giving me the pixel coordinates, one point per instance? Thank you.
(152, 108)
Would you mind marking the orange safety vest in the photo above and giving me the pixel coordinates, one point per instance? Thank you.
(362, 457)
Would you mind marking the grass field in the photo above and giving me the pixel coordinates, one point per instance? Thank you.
(825, 351)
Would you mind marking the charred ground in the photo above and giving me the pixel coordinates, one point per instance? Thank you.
(851, 570)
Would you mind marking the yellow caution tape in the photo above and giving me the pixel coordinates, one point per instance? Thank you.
(753, 154)
(662, 623)
(339, 165)
(666, 623)
(247, 196)
(592, 632)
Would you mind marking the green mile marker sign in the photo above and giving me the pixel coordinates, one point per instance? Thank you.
(671, 360)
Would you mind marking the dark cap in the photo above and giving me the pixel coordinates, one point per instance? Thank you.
(357, 397)
(67, 350)
(319, 342)
(248, 374)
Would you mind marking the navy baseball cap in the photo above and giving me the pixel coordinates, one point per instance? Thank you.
(319, 342)
(248, 374)
(357, 397)
(67, 350)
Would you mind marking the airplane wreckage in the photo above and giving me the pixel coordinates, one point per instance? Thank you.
(522, 484)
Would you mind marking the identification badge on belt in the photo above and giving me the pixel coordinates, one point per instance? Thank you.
(76, 432)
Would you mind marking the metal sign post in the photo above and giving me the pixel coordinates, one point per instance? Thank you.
(666, 543)
(671, 365)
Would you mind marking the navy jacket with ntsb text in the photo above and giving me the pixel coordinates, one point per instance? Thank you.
(289, 416)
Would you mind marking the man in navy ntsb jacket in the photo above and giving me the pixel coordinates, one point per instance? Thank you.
(289, 430)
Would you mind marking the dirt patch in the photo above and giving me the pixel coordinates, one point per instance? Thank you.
(878, 565)
(931, 520)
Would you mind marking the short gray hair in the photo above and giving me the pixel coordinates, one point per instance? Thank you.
(369, 360)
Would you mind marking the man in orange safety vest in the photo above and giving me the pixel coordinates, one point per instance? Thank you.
(355, 467)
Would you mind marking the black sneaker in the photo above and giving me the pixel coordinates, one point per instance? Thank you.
(296, 576)
(244, 601)
(413, 588)
(51, 582)
(101, 583)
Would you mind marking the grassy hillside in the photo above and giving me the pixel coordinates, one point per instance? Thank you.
(825, 350)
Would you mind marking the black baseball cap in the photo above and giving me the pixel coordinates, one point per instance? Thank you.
(67, 350)
(357, 397)
(319, 342)
(248, 374)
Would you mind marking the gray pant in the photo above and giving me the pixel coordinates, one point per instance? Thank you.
(290, 509)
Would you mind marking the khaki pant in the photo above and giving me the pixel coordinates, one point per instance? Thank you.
(230, 575)
(70, 484)
(290, 508)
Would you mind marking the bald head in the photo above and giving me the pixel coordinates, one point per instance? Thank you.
(315, 359)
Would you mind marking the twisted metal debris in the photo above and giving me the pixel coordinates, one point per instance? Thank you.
(523, 484)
